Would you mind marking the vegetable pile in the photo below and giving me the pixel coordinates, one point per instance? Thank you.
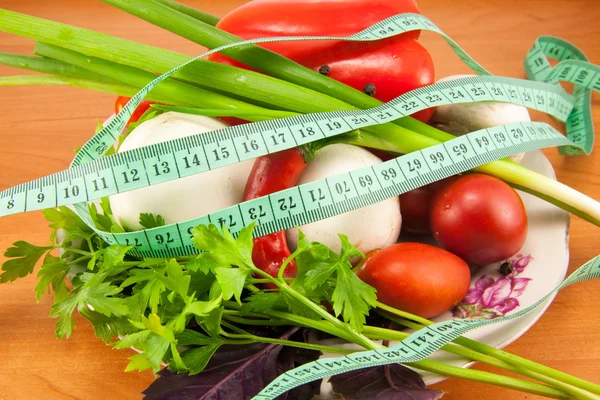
(229, 320)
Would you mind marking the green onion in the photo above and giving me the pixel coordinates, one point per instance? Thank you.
(252, 55)
(260, 58)
(387, 137)
(51, 80)
(177, 91)
(271, 114)
(259, 88)
(192, 12)
(48, 66)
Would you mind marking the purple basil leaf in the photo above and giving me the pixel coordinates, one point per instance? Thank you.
(238, 372)
(390, 382)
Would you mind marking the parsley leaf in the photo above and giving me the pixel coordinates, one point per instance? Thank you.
(154, 342)
(64, 218)
(197, 358)
(148, 220)
(326, 276)
(105, 220)
(197, 308)
(190, 337)
(105, 327)
(24, 258)
(52, 273)
(175, 279)
(352, 298)
(108, 257)
(147, 292)
(261, 301)
(223, 248)
(232, 281)
(97, 295)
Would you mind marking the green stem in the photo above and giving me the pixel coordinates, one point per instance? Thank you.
(47, 80)
(468, 353)
(442, 369)
(260, 281)
(257, 322)
(271, 114)
(192, 12)
(80, 252)
(252, 55)
(51, 67)
(80, 259)
(281, 94)
(262, 89)
(487, 377)
(358, 337)
(493, 352)
(291, 343)
(175, 90)
(325, 326)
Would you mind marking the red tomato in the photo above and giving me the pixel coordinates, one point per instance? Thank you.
(417, 278)
(139, 111)
(414, 206)
(479, 218)
(393, 65)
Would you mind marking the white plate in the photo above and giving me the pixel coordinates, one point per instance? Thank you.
(543, 262)
(542, 265)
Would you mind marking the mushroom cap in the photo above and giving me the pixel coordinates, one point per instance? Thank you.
(185, 198)
(367, 228)
(462, 118)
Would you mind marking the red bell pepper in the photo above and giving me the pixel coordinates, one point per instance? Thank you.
(139, 111)
(386, 68)
(272, 173)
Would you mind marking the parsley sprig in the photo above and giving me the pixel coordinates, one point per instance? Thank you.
(179, 311)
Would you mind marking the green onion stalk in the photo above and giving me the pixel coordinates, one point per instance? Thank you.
(330, 324)
(206, 84)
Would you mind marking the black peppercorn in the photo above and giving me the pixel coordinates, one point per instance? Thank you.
(370, 89)
(506, 268)
(325, 70)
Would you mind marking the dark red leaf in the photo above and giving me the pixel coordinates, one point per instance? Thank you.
(390, 382)
(238, 372)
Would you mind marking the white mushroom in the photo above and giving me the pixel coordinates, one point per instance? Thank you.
(185, 198)
(367, 228)
(462, 118)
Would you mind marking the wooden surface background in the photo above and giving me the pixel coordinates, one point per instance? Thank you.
(40, 127)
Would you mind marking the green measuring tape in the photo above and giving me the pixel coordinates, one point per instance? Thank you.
(575, 68)
(92, 176)
(416, 347)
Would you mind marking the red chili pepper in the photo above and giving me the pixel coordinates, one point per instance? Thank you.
(386, 68)
(139, 111)
(272, 173)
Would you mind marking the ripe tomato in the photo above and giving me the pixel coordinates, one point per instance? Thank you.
(479, 218)
(139, 111)
(415, 206)
(417, 278)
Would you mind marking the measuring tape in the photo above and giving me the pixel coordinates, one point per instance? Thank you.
(92, 176)
(416, 347)
(575, 68)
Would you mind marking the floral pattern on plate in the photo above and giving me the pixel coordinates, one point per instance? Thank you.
(492, 298)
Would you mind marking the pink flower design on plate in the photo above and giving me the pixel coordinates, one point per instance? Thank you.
(492, 298)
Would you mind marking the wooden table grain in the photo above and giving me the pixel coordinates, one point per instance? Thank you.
(40, 127)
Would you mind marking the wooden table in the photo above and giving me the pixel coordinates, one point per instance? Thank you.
(39, 127)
